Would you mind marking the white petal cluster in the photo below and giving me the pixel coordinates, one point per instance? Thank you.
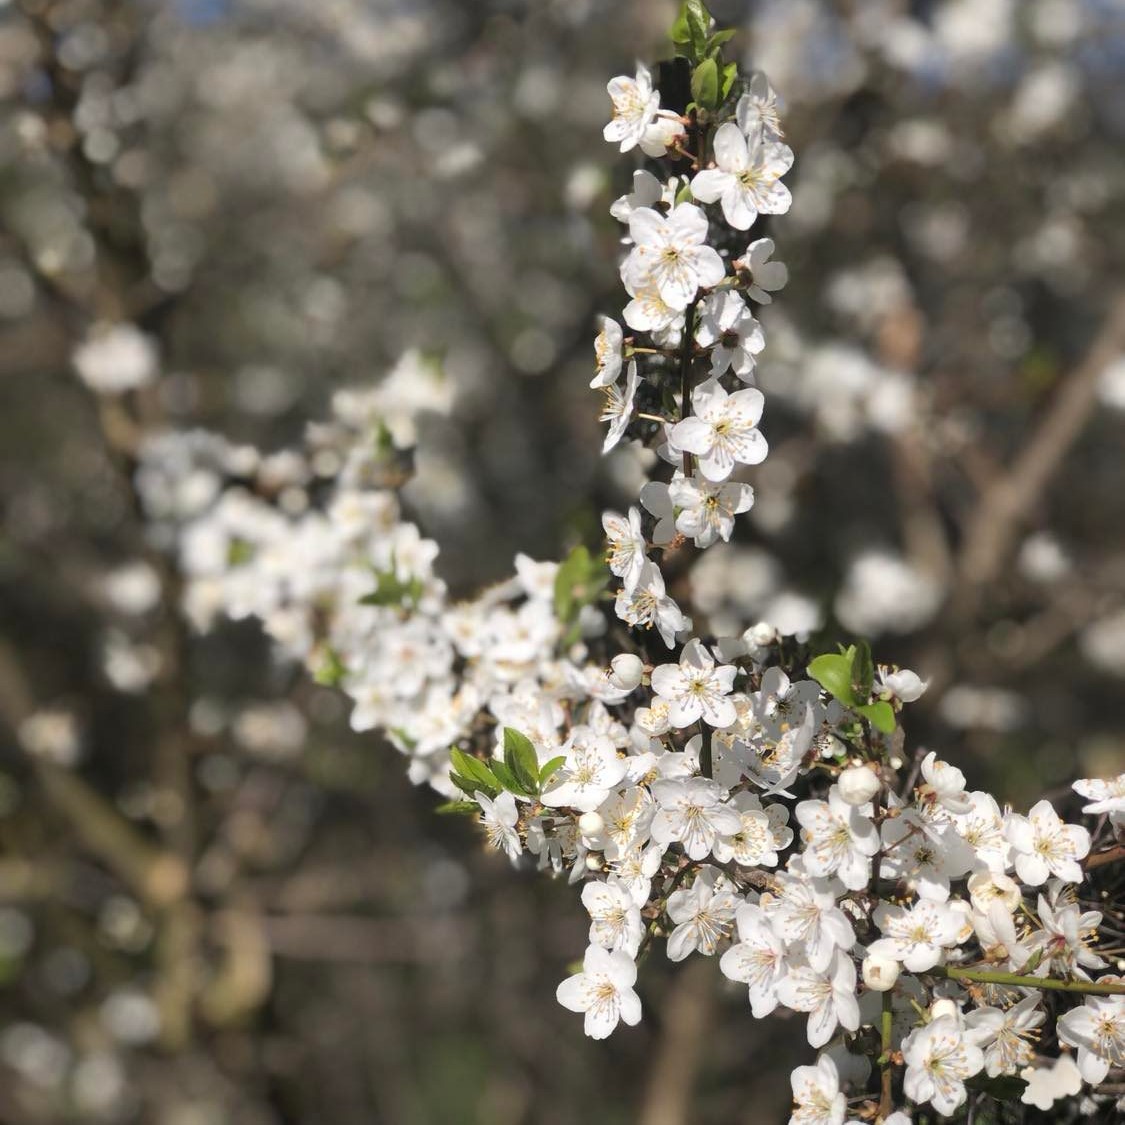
(708, 799)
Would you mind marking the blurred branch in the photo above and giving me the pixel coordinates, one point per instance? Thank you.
(1000, 512)
(679, 1054)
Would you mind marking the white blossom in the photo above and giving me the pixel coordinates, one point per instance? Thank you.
(706, 510)
(817, 1097)
(766, 277)
(625, 547)
(603, 990)
(1097, 1030)
(758, 110)
(757, 959)
(703, 914)
(803, 913)
(696, 688)
(747, 178)
(615, 920)
(671, 255)
(728, 327)
(500, 818)
(608, 353)
(917, 935)
(939, 1057)
(944, 784)
(638, 120)
(591, 770)
(691, 813)
(648, 605)
(829, 997)
(763, 832)
(840, 839)
(618, 407)
(1007, 1036)
(722, 431)
(1042, 846)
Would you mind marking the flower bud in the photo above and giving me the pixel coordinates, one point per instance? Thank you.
(943, 1007)
(590, 823)
(593, 862)
(880, 973)
(905, 685)
(626, 671)
(858, 785)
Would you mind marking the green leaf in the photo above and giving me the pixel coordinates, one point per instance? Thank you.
(721, 37)
(508, 779)
(457, 808)
(863, 672)
(468, 786)
(391, 590)
(880, 715)
(473, 771)
(681, 32)
(520, 757)
(834, 674)
(730, 74)
(699, 23)
(684, 195)
(551, 768)
(705, 84)
(579, 581)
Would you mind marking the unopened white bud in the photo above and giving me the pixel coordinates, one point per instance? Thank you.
(760, 635)
(858, 785)
(593, 862)
(943, 1007)
(880, 973)
(626, 671)
(905, 685)
(590, 823)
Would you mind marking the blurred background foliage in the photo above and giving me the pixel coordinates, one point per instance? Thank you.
(217, 905)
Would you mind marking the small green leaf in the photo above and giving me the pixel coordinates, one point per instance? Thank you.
(705, 84)
(681, 32)
(863, 672)
(469, 786)
(880, 715)
(475, 772)
(730, 74)
(578, 582)
(551, 768)
(508, 779)
(834, 674)
(520, 757)
(699, 23)
(457, 808)
(390, 590)
(721, 37)
(684, 195)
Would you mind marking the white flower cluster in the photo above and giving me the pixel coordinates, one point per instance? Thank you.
(717, 801)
